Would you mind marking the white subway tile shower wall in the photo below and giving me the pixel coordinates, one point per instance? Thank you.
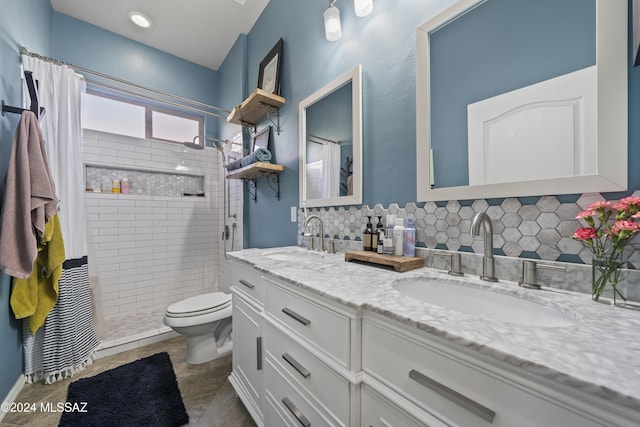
(532, 227)
(150, 251)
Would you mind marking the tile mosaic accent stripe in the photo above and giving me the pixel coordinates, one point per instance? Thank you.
(525, 227)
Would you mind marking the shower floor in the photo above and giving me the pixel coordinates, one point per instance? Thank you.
(127, 331)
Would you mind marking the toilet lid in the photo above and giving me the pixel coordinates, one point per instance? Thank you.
(200, 304)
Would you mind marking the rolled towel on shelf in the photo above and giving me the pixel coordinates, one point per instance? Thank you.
(259, 155)
(236, 164)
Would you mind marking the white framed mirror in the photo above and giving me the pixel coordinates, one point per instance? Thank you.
(463, 153)
(331, 143)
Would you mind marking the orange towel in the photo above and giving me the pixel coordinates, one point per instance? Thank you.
(29, 199)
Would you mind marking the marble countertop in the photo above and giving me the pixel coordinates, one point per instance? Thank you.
(599, 353)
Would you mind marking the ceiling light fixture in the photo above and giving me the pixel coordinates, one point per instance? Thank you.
(332, 26)
(363, 7)
(140, 19)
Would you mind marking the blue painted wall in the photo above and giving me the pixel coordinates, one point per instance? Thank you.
(87, 46)
(28, 23)
(384, 43)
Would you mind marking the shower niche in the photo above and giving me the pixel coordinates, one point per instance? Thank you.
(99, 178)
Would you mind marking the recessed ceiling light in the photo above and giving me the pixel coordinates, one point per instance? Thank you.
(140, 19)
(240, 2)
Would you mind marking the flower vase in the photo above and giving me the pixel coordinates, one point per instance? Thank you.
(607, 276)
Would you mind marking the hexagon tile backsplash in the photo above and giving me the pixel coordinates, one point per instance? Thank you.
(525, 227)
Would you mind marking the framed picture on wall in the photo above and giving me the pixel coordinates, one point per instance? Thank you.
(269, 76)
(261, 138)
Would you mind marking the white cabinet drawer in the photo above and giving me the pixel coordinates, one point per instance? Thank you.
(379, 412)
(326, 330)
(249, 282)
(291, 402)
(309, 373)
(453, 388)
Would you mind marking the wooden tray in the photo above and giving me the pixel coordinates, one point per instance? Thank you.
(399, 263)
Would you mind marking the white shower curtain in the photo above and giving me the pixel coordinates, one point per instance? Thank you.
(67, 342)
(331, 170)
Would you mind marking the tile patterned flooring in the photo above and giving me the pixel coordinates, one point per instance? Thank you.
(206, 392)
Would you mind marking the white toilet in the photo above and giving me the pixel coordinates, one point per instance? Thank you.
(206, 322)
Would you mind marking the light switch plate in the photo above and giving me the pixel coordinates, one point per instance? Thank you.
(294, 214)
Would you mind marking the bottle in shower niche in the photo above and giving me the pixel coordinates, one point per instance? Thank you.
(398, 236)
(367, 236)
(409, 241)
(124, 185)
(115, 186)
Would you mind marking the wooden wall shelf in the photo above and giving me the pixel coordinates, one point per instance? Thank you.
(252, 172)
(258, 105)
(255, 171)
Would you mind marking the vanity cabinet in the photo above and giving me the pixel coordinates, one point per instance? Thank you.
(247, 376)
(456, 388)
(301, 358)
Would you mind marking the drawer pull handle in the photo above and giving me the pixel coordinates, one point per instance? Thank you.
(296, 412)
(259, 353)
(296, 316)
(296, 365)
(247, 284)
(468, 404)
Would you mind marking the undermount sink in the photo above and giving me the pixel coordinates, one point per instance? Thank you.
(482, 302)
(296, 256)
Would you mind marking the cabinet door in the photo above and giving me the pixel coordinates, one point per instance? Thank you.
(247, 376)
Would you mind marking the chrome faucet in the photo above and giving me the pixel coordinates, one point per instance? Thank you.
(316, 217)
(488, 264)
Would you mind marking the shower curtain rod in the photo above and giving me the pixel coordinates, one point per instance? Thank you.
(320, 140)
(25, 51)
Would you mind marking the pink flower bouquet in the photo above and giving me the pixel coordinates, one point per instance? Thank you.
(610, 228)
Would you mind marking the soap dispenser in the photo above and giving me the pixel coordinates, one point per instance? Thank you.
(367, 236)
(379, 236)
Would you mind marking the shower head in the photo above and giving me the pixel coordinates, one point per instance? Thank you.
(217, 143)
(193, 144)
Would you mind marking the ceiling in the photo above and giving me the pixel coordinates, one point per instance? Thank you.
(200, 31)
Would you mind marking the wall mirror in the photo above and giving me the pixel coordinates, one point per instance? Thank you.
(522, 98)
(331, 143)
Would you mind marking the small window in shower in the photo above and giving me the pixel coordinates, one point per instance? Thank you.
(111, 115)
(174, 127)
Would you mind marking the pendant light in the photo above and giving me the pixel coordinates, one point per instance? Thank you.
(332, 26)
(363, 7)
